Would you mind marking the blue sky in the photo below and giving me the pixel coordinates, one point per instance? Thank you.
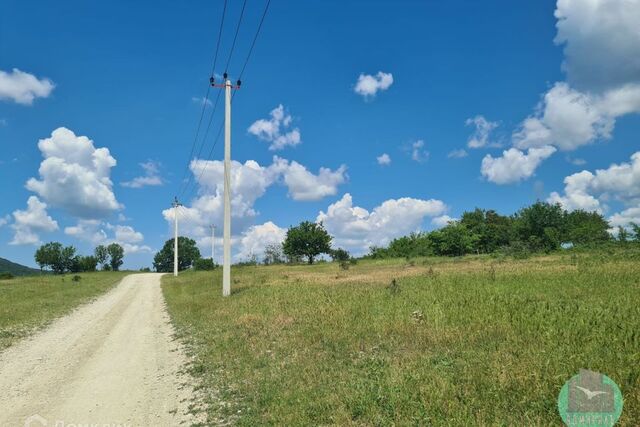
(438, 77)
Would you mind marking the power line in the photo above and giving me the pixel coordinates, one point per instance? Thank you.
(205, 99)
(255, 37)
(206, 162)
(244, 66)
(235, 37)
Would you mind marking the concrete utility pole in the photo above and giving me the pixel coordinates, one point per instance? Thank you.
(226, 267)
(175, 205)
(213, 243)
(226, 252)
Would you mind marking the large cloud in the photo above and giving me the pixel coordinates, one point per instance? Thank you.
(256, 238)
(304, 185)
(75, 176)
(514, 165)
(275, 130)
(601, 42)
(103, 233)
(601, 58)
(592, 191)
(28, 223)
(22, 87)
(249, 182)
(569, 119)
(357, 229)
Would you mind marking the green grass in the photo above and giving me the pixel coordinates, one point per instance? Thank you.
(473, 341)
(31, 302)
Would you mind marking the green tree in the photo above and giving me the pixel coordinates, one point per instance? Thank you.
(188, 253)
(49, 256)
(340, 255)
(494, 231)
(635, 229)
(116, 254)
(623, 234)
(69, 261)
(56, 257)
(584, 227)
(541, 226)
(87, 263)
(102, 255)
(455, 240)
(309, 239)
(415, 244)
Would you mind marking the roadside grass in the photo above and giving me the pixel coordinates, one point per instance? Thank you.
(31, 302)
(471, 341)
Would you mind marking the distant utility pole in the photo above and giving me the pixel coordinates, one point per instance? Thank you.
(226, 253)
(213, 243)
(175, 205)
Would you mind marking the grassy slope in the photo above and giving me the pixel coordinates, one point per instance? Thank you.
(471, 342)
(28, 303)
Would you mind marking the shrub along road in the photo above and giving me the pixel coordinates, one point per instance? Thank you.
(112, 361)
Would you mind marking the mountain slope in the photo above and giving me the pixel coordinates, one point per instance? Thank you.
(7, 266)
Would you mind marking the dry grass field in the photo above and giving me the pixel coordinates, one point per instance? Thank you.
(469, 341)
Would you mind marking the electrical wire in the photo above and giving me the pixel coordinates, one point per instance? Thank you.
(204, 102)
(244, 66)
(255, 37)
(235, 37)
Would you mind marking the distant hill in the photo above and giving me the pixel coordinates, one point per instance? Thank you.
(7, 266)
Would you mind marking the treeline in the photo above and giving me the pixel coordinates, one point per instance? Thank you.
(63, 259)
(541, 227)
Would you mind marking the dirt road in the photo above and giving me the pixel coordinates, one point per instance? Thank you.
(110, 362)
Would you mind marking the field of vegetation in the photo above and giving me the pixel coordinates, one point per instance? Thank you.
(478, 340)
(31, 302)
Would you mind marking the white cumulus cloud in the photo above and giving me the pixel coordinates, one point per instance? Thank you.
(23, 88)
(304, 185)
(601, 41)
(249, 182)
(601, 45)
(514, 165)
(256, 238)
(275, 130)
(591, 191)
(103, 233)
(75, 176)
(357, 229)
(368, 85)
(384, 159)
(28, 223)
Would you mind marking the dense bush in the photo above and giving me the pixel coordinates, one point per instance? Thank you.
(339, 255)
(204, 264)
